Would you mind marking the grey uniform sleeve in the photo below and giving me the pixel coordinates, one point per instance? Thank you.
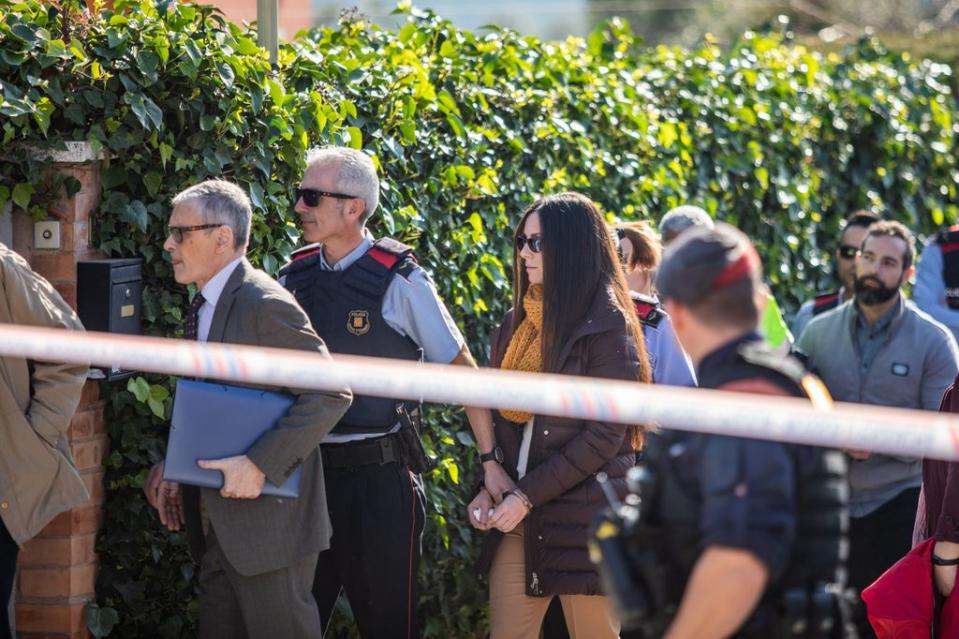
(803, 317)
(413, 308)
(929, 292)
(805, 344)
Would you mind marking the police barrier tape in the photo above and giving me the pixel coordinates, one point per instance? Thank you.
(894, 431)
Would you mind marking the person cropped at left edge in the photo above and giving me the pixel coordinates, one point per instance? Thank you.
(370, 297)
(38, 479)
(257, 554)
(572, 314)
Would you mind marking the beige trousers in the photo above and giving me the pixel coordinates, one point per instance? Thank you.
(514, 615)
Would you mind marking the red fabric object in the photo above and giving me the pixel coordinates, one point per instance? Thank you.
(901, 604)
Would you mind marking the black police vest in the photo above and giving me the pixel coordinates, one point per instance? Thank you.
(346, 310)
(818, 554)
(825, 302)
(948, 241)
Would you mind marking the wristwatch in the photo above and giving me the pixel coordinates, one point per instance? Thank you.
(495, 455)
(939, 561)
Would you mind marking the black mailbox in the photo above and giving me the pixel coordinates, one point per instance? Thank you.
(109, 294)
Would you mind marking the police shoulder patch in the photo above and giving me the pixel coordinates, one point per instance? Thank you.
(648, 309)
(302, 258)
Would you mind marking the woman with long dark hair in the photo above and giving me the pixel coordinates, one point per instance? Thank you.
(572, 314)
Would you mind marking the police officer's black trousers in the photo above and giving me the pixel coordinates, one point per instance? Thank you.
(8, 571)
(377, 513)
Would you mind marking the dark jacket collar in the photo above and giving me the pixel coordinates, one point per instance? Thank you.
(721, 355)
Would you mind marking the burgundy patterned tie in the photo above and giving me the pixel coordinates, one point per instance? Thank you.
(192, 511)
(193, 317)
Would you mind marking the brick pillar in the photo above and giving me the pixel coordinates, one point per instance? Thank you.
(58, 567)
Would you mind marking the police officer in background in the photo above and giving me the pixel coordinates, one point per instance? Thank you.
(735, 537)
(369, 297)
(937, 279)
(850, 240)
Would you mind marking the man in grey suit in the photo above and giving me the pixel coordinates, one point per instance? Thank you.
(257, 554)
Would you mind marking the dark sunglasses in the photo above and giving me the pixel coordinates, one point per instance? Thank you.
(176, 232)
(311, 197)
(535, 243)
(847, 252)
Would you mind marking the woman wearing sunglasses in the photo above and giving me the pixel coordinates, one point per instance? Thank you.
(572, 314)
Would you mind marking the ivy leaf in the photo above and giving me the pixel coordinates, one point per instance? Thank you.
(226, 73)
(257, 195)
(153, 112)
(153, 180)
(148, 62)
(155, 401)
(100, 621)
(56, 49)
(139, 387)
(21, 194)
(24, 32)
(136, 213)
(115, 39)
(356, 137)
(166, 152)
(113, 176)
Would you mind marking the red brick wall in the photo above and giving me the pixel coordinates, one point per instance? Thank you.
(58, 567)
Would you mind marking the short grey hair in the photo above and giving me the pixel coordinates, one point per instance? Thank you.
(356, 174)
(681, 218)
(220, 202)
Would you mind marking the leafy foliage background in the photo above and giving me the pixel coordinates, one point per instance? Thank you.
(467, 129)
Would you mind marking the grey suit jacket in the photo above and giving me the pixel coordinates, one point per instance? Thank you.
(268, 533)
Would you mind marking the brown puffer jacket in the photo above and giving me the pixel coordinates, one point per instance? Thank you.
(564, 457)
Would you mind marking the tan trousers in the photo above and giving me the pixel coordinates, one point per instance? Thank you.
(514, 615)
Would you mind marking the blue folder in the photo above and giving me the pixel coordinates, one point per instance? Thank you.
(211, 421)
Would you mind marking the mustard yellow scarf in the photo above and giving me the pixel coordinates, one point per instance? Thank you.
(525, 351)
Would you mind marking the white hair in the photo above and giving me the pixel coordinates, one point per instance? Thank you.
(681, 218)
(355, 176)
(220, 202)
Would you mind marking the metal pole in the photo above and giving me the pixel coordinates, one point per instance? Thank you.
(267, 13)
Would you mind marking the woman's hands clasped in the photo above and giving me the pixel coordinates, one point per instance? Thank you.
(505, 516)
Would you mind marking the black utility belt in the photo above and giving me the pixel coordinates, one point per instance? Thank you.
(365, 452)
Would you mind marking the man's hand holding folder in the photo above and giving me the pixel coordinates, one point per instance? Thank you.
(241, 478)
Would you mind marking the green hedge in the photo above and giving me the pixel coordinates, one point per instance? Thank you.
(467, 128)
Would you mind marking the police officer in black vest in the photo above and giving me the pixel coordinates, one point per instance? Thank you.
(734, 537)
(850, 240)
(369, 297)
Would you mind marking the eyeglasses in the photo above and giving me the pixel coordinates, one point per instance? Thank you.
(847, 252)
(176, 232)
(535, 243)
(311, 197)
